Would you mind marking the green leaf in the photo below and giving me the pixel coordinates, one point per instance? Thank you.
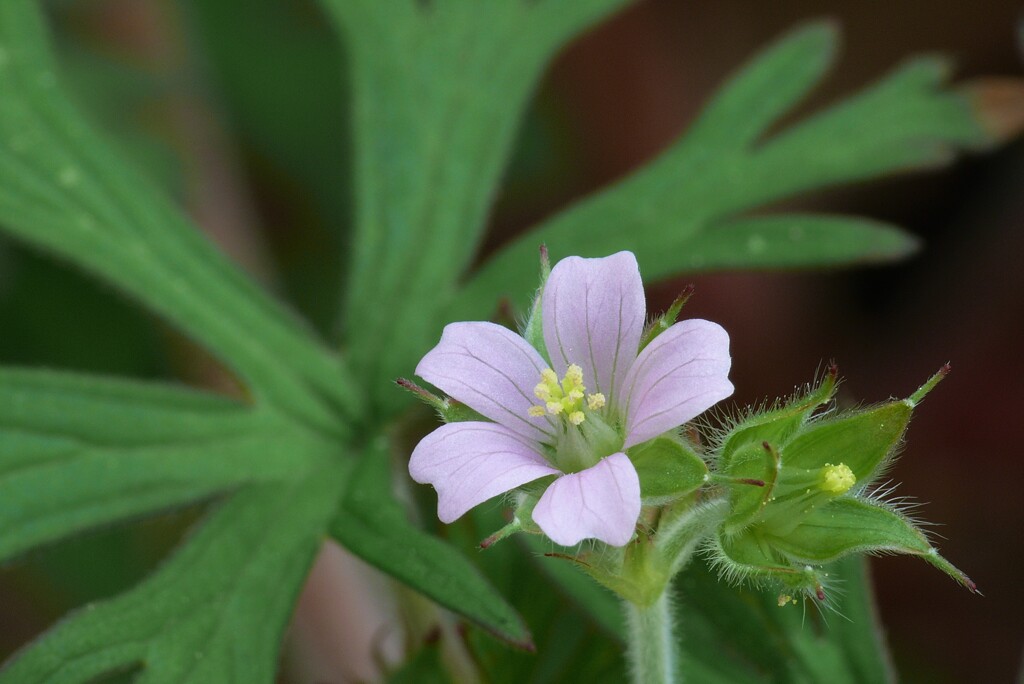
(860, 635)
(795, 241)
(438, 91)
(574, 642)
(94, 333)
(281, 77)
(602, 605)
(77, 452)
(862, 440)
(64, 190)
(667, 469)
(685, 210)
(372, 525)
(738, 635)
(216, 612)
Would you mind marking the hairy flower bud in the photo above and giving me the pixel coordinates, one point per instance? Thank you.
(815, 507)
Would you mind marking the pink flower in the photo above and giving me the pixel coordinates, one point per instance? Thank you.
(577, 418)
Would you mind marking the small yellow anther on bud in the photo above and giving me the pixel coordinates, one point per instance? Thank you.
(555, 407)
(837, 479)
(576, 417)
(536, 411)
(595, 401)
(548, 376)
(573, 375)
(542, 392)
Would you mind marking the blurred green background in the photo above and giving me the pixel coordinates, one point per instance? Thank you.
(243, 116)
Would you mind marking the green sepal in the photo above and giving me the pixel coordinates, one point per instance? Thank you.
(748, 555)
(755, 462)
(533, 329)
(848, 525)
(449, 410)
(453, 411)
(777, 425)
(862, 440)
(667, 319)
(640, 571)
(667, 470)
(636, 572)
(522, 519)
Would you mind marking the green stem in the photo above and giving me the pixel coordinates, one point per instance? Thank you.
(652, 652)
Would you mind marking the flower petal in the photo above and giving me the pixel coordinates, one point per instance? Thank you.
(468, 463)
(601, 502)
(593, 312)
(678, 376)
(493, 371)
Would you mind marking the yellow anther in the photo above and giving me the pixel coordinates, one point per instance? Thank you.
(837, 479)
(564, 397)
(573, 375)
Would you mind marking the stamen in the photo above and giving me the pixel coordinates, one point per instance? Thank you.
(837, 479)
(564, 397)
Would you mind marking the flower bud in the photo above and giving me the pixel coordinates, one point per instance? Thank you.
(814, 508)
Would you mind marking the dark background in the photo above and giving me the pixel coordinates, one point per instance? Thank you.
(254, 143)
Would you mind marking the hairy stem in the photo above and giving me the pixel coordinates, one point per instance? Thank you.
(652, 652)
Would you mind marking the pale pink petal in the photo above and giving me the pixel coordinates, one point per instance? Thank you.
(678, 376)
(468, 463)
(493, 371)
(601, 502)
(593, 312)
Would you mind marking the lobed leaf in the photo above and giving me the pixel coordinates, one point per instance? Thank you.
(794, 241)
(77, 452)
(373, 526)
(685, 210)
(438, 89)
(63, 189)
(215, 612)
